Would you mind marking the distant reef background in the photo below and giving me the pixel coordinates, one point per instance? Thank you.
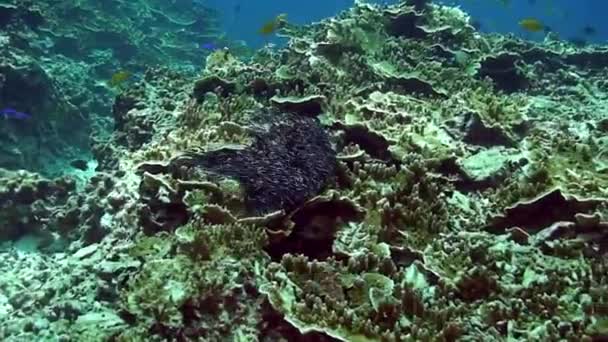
(565, 17)
(56, 58)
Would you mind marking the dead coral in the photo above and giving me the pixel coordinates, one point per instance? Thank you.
(52, 210)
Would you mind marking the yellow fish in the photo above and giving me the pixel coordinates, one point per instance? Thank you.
(118, 78)
(272, 25)
(531, 25)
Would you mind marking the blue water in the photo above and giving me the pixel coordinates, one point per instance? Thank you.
(244, 25)
(565, 17)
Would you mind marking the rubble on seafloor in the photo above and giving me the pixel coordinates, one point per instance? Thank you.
(466, 198)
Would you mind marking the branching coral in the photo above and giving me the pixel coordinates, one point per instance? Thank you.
(206, 276)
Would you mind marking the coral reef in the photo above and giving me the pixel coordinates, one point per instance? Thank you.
(65, 52)
(389, 175)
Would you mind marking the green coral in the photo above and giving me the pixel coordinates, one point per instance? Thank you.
(205, 269)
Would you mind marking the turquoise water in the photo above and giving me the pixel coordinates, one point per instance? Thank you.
(565, 17)
(277, 171)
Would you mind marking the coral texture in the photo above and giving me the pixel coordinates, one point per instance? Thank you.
(390, 174)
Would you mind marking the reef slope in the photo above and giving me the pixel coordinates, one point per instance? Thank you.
(452, 186)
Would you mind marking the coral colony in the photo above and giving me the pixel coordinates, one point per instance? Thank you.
(390, 174)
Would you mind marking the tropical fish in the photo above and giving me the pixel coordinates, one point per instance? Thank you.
(119, 78)
(271, 26)
(210, 46)
(532, 25)
(589, 30)
(10, 113)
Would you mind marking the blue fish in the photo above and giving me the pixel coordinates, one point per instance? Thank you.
(10, 113)
(209, 46)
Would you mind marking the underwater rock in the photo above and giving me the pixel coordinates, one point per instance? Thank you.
(20, 78)
(52, 210)
(84, 43)
(81, 219)
(106, 153)
(145, 108)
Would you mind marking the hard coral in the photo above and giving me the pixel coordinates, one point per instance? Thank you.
(290, 160)
(418, 4)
